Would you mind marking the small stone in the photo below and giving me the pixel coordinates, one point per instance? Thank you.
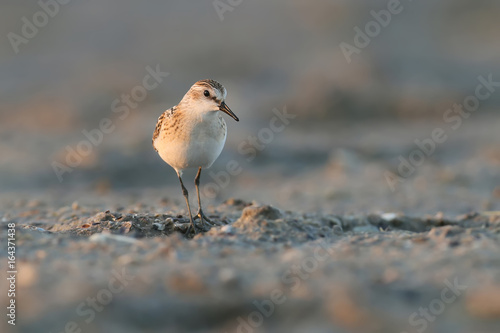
(159, 226)
(389, 216)
(260, 212)
(75, 205)
(227, 229)
(439, 216)
(331, 220)
(337, 230)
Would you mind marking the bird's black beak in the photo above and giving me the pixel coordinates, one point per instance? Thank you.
(224, 108)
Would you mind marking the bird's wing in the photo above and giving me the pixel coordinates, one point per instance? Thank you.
(167, 114)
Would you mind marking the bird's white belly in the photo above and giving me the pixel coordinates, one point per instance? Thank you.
(200, 151)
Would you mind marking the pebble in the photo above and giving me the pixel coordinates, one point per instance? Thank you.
(159, 226)
(260, 212)
(337, 230)
(389, 216)
(228, 229)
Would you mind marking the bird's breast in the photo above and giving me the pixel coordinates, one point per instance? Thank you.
(191, 144)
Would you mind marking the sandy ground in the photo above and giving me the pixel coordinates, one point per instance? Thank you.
(264, 270)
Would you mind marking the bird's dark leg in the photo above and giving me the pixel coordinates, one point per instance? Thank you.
(200, 213)
(186, 196)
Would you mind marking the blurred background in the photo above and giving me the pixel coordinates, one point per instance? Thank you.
(353, 119)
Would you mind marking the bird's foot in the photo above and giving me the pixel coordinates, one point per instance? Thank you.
(191, 229)
(200, 215)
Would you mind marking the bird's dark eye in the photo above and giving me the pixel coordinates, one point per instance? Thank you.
(206, 93)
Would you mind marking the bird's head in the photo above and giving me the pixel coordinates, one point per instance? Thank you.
(208, 96)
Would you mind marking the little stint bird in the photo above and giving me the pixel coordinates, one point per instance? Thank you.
(192, 134)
